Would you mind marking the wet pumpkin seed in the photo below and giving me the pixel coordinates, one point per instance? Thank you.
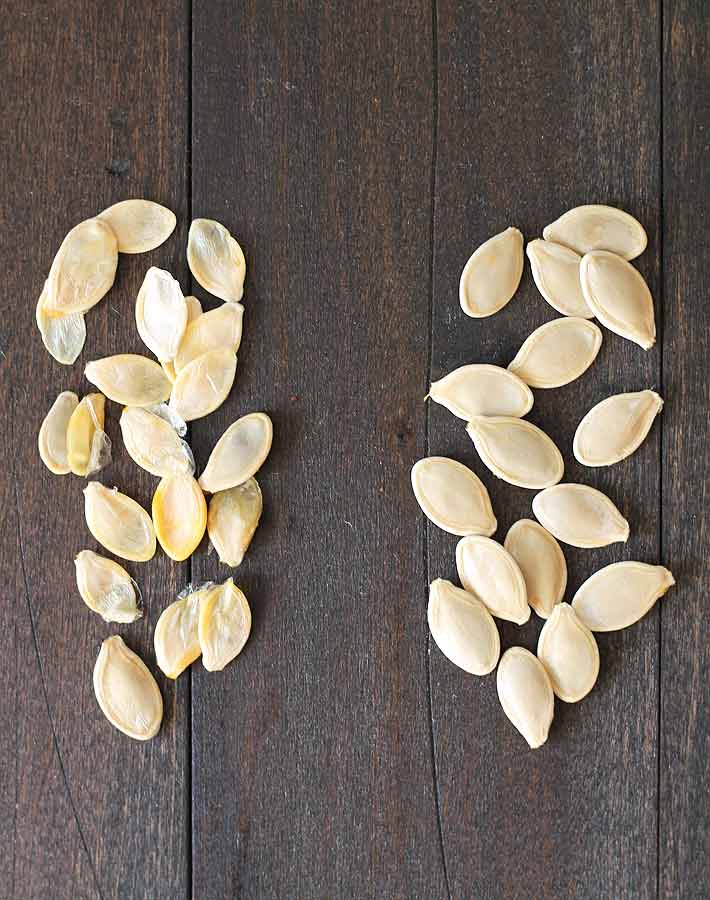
(83, 269)
(117, 522)
(204, 384)
(615, 428)
(129, 379)
(516, 451)
(161, 314)
(52, 439)
(126, 691)
(216, 260)
(179, 515)
(176, 638)
(568, 651)
(239, 453)
(221, 327)
(139, 225)
(452, 496)
(557, 352)
(88, 446)
(620, 594)
(598, 227)
(579, 515)
(526, 695)
(154, 444)
(492, 274)
(463, 628)
(232, 519)
(482, 390)
(555, 270)
(224, 625)
(106, 588)
(62, 336)
(490, 573)
(542, 563)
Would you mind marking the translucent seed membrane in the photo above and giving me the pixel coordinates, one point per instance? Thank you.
(232, 519)
(490, 573)
(216, 260)
(452, 496)
(88, 447)
(556, 272)
(239, 453)
(63, 336)
(129, 379)
(106, 588)
(161, 313)
(177, 641)
(557, 352)
(118, 523)
(52, 439)
(579, 515)
(139, 225)
(224, 625)
(615, 428)
(597, 227)
(492, 274)
(213, 330)
(126, 691)
(83, 269)
(463, 628)
(179, 515)
(619, 297)
(482, 390)
(154, 444)
(203, 385)
(620, 594)
(516, 451)
(526, 695)
(542, 563)
(568, 651)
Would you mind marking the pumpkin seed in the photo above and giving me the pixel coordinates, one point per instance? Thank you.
(224, 625)
(176, 638)
(615, 428)
(556, 272)
(618, 296)
(452, 496)
(52, 439)
(88, 446)
(569, 653)
(63, 336)
(557, 352)
(203, 385)
(154, 444)
(126, 691)
(106, 588)
(239, 453)
(463, 628)
(490, 573)
(221, 327)
(83, 269)
(216, 260)
(492, 274)
(170, 416)
(542, 563)
(620, 594)
(516, 451)
(580, 515)
(129, 379)
(169, 369)
(232, 519)
(161, 313)
(194, 308)
(482, 390)
(118, 523)
(179, 515)
(526, 695)
(597, 227)
(139, 225)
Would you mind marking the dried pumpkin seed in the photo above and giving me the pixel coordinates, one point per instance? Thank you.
(63, 336)
(216, 260)
(579, 515)
(239, 453)
(139, 225)
(161, 313)
(179, 515)
(490, 573)
(52, 439)
(126, 691)
(482, 390)
(615, 428)
(154, 444)
(619, 297)
(224, 625)
(452, 496)
(117, 522)
(526, 695)
(203, 385)
(516, 451)
(221, 327)
(556, 272)
(129, 379)
(232, 519)
(106, 588)
(194, 308)
(542, 563)
(568, 651)
(463, 628)
(597, 227)
(557, 352)
(620, 594)
(492, 274)
(176, 638)
(83, 269)
(88, 446)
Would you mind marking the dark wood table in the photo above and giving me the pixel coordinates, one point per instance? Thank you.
(360, 152)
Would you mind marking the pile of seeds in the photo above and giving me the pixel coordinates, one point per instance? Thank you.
(582, 268)
(196, 355)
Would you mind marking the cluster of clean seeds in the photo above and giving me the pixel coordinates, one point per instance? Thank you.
(582, 269)
(196, 366)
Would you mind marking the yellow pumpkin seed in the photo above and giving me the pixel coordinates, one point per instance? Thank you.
(117, 522)
(154, 444)
(139, 225)
(179, 515)
(88, 446)
(615, 428)
(129, 379)
(579, 515)
(106, 588)
(569, 653)
(126, 691)
(232, 519)
(52, 439)
(555, 270)
(516, 451)
(490, 573)
(239, 453)
(542, 563)
(463, 628)
(452, 496)
(620, 594)
(176, 639)
(482, 390)
(526, 695)
(221, 327)
(83, 269)
(597, 227)
(557, 352)
(224, 625)
(492, 274)
(161, 313)
(216, 260)
(203, 385)
(63, 336)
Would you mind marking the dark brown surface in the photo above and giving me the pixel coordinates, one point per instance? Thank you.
(359, 152)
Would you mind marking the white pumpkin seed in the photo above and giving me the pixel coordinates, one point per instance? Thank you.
(139, 225)
(526, 695)
(63, 336)
(492, 274)
(52, 439)
(239, 453)
(161, 313)
(224, 625)
(129, 379)
(194, 308)
(221, 327)
(568, 651)
(452, 496)
(620, 594)
(516, 451)
(490, 573)
(615, 428)
(463, 628)
(176, 638)
(216, 260)
(126, 691)
(83, 269)
(482, 390)
(179, 515)
(542, 563)
(106, 588)
(232, 519)
(203, 385)
(580, 516)
(597, 227)
(557, 352)
(120, 524)
(87, 444)
(556, 272)
(154, 444)
(618, 296)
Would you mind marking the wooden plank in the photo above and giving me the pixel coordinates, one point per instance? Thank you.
(543, 107)
(312, 136)
(684, 838)
(97, 98)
